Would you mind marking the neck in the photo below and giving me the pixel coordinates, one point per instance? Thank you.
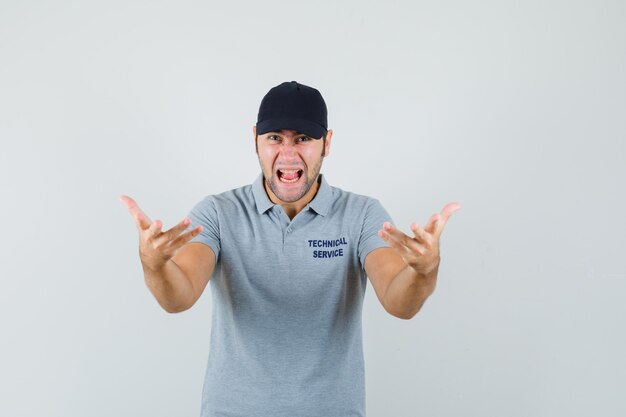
(292, 209)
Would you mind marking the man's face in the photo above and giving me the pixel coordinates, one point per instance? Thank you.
(290, 162)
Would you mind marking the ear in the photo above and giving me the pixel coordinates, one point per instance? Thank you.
(256, 144)
(329, 136)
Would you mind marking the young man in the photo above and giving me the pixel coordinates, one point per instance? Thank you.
(288, 258)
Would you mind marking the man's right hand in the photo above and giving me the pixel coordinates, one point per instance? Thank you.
(156, 247)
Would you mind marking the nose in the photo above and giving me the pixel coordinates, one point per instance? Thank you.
(288, 150)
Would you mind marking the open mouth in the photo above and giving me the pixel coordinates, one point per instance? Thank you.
(289, 176)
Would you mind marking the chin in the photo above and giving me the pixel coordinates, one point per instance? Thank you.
(290, 197)
(288, 194)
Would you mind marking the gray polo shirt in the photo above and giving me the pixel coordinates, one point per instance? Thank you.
(287, 299)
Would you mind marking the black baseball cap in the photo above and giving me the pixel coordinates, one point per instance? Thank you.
(294, 106)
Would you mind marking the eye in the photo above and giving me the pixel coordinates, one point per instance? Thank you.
(273, 138)
(304, 139)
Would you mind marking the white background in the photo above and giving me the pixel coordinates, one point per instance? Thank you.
(515, 109)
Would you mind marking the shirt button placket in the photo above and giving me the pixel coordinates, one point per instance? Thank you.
(288, 245)
(288, 231)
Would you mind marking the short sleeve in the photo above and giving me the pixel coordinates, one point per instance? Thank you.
(375, 216)
(205, 214)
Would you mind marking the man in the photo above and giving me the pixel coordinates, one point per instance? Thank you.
(288, 257)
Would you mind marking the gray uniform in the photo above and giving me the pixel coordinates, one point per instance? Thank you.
(287, 299)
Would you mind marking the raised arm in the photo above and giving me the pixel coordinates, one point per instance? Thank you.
(405, 275)
(175, 271)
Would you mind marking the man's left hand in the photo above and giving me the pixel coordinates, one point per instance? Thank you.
(422, 251)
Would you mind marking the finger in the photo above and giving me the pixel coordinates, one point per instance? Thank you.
(402, 249)
(154, 230)
(395, 233)
(422, 235)
(184, 238)
(430, 226)
(408, 251)
(141, 219)
(447, 211)
(172, 233)
(409, 244)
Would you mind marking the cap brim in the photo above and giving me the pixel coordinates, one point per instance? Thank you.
(309, 128)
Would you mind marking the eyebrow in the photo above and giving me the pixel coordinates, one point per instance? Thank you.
(280, 131)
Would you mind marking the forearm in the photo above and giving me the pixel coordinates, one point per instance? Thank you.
(170, 286)
(408, 291)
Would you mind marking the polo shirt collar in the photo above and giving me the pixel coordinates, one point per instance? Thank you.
(323, 197)
(321, 202)
(263, 202)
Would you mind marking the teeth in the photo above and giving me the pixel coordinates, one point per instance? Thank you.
(289, 173)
